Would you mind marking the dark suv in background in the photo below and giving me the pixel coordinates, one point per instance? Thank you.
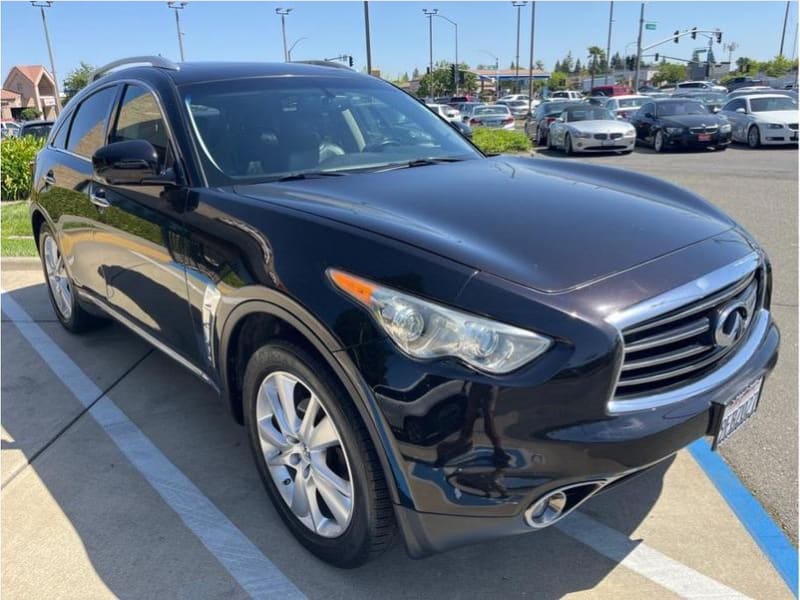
(418, 337)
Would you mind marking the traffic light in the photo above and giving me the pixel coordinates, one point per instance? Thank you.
(719, 37)
(676, 34)
(350, 61)
(428, 70)
(694, 33)
(453, 72)
(630, 62)
(656, 56)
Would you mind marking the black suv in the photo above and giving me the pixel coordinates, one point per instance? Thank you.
(418, 337)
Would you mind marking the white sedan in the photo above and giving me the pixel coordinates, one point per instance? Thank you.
(762, 119)
(446, 112)
(623, 107)
(587, 128)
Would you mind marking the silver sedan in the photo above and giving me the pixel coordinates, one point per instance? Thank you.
(587, 128)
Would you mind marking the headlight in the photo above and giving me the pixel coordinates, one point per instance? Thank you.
(673, 130)
(630, 133)
(423, 329)
(725, 128)
(582, 135)
(775, 126)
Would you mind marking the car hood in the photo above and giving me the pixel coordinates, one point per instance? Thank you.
(602, 126)
(777, 116)
(692, 120)
(542, 223)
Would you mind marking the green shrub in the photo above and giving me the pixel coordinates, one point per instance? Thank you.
(494, 141)
(16, 155)
(30, 114)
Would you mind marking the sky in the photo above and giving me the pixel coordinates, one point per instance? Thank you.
(99, 32)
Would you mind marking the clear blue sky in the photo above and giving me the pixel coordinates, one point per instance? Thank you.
(98, 32)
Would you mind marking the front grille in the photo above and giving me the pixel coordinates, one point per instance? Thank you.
(706, 129)
(616, 136)
(678, 347)
(600, 136)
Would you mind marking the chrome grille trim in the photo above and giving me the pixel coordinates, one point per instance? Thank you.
(661, 359)
(692, 329)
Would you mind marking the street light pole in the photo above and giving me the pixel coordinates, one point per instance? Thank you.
(638, 50)
(177, 7)
(41, 6)
(430, 14)
(530, 57)
(785, 19)
(366, 30)
(297, 41)
(518, 6)
(608, 44)
(283, 12)
(454, 24)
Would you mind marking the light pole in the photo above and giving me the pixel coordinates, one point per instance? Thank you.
(366, 30)
(41, 6)
(283, 12)
(178, 7)
(430, 13)
(638, 51)
(608, 44)
(454, 24)
(289, 51)
(518, 6)
(783, 34)
(731, 48)
(530, 58)
(496, 71)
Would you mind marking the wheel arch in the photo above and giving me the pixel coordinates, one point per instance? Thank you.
(254, 322)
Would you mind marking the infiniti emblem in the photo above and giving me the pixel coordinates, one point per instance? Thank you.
(730, 322)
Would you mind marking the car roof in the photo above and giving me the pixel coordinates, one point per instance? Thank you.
(628, 97)
(752, 96)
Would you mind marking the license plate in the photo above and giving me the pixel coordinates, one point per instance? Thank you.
(609, 142)
(738, 411)
(703, 137)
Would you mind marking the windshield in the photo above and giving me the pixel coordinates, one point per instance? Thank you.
(262, 129)
(631, 102)
(590, 113)
(676, 108)
(491, 110)
(769, 104)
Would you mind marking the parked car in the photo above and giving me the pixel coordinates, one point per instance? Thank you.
(513, 97)
(537, 124)
(611, 90)
(9, 129)
(596, 100)
(463, 128)
(667, 123)
(713, 100)
(454, 101)
(749, 91)
(743, 81)
(565, 95)
(763, 119)
(467, 108)
(454, 366)
(39, 129)
(700, 85)
(623, 107)
(446, 111)
(584, 128)
(495, 116)
(519, 108)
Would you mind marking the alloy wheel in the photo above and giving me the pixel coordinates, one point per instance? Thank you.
(57, 277)
(658, 143)
(305, 454)
(753, 138)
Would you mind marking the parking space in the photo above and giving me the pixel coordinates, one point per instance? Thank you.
(123, 475)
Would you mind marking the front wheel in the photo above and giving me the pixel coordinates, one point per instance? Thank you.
(568, 150)
(315, 457)
(658, 142)
(753, 137)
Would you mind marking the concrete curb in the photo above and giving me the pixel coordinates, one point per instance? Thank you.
(20, 263)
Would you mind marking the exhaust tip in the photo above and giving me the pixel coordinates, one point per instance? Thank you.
(559, 503)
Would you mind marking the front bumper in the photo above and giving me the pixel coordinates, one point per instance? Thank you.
(781, 136)
(476, 456)
(592, 145)
(686, 139)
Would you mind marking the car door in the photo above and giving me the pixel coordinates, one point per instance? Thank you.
(646, 122)
(141, 230)
(737, 118)
(64, 184)
(557, 129)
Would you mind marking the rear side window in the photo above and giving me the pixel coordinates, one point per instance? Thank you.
(140, 119)
(60, 138)
(87, 133)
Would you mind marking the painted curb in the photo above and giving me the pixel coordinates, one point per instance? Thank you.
(20, 263)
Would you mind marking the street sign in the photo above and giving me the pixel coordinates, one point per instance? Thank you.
(650, 26)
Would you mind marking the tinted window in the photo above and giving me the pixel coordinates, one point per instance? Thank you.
(87, 133)
(60, 139)
(38, 131)
(647, 108)
(734, 104)
(140, 119)
(587, 113)
(491, 110)
(770, 104)
(681, 107)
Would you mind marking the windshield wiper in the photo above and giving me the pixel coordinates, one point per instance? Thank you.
(307, 175)
(421, 162)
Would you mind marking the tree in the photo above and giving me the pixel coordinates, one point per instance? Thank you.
(617, 62)
(404, 77)
(597, 54)
(415, 74)
(512, 66)
(746, 65)
(669, 73)
(30, 114)
(557, 81)
(76, 80)
(557, 67)
(539, 65)
(778, 67)
(578, 67)
(567, 63)
(441, 83)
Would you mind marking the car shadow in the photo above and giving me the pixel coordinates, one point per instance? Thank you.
(555, 153)
(545, 564)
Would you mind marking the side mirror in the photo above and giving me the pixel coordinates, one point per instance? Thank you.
(132, 162)
(741, 110)
(648, 115)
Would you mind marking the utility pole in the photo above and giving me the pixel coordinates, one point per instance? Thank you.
(366, 30)
(530, 58)
(283, 12)
(638, 50)
(430, 14)
(518, 6)
(731, 48)
(785, 19)
(41, 6)
(708, 57)
(608, 44)
(454, 24)
(297, 41)
(177, 7)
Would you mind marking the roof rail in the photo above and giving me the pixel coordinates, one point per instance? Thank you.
(154, 61)
(322, 63)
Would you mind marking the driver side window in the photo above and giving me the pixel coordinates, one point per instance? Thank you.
(140, 118)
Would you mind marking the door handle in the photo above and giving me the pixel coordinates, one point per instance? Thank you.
(49, 178)
(98, 198)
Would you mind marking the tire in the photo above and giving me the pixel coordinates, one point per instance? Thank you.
(568, 145)
(369, 527)
(753, 137)
(60, 288)
(658, 142)
(721, 148)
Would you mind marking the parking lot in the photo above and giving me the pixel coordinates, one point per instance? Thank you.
(124, 476)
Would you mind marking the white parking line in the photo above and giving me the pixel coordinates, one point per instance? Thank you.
(253, 571)
(647, 562)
